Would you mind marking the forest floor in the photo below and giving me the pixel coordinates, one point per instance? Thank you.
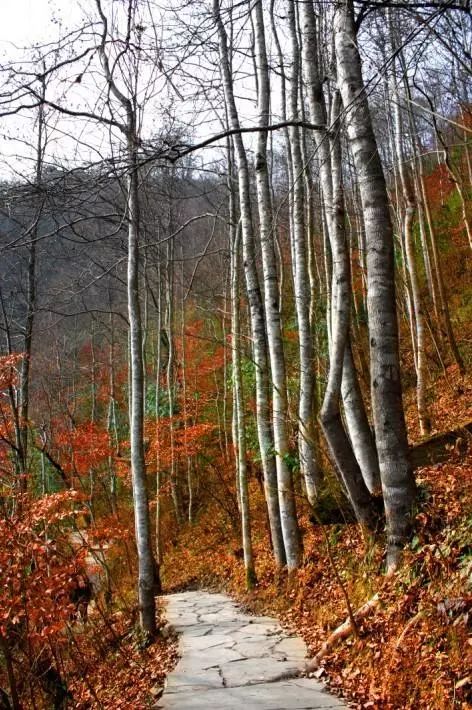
(414, 650)
(117, 670)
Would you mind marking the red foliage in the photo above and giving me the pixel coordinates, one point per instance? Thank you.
(37, 569)
(85, 446)
(439, 185)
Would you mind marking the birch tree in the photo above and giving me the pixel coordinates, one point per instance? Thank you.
(130, 129)
(340, 316)
(302, 291)
(409, 210)
(390, 432)
(277, 517)
(271, 293)
(342, 374)
(240, 427)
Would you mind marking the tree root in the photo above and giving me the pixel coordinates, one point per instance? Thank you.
(410, 624)
(342, 632)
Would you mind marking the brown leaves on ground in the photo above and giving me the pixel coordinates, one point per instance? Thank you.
(116, 671)
(413, 652)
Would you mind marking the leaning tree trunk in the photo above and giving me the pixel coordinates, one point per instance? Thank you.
(390, 431)
(360, 433)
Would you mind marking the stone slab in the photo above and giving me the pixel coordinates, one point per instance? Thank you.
(258, 670)
(303, 694)
(230, 660)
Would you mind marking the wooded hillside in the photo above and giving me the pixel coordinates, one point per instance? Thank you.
(236, 342)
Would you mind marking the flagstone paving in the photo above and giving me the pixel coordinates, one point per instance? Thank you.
(230, 660)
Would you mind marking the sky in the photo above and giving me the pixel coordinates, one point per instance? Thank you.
(24, 22)
(29, 22)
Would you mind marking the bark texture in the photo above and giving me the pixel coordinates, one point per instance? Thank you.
(256, 309)
(390, 432)
(272, 306)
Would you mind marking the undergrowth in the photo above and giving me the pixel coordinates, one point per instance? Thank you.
(414, 651)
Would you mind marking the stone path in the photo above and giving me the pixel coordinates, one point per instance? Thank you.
(230, 660)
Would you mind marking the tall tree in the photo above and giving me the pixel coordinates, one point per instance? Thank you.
(271, 292)
(390, 431)
(277, 517)
(146, 563)
(306, 436)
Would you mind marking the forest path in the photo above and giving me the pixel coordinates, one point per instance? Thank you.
(230, 660)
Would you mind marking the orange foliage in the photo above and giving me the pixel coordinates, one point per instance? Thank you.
(85, 446)
(186, 441)
(37, 574)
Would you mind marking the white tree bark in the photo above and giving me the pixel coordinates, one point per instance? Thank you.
(157, 415)
(146, 568)
(390, 432)
(240, 442)
(409, 209)
(306, 434)
(338, 287)
(174, 484)
(287, 504)
(146, 565)
(256, 307)
(340, 316)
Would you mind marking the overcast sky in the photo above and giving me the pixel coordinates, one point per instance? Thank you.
(27, 21)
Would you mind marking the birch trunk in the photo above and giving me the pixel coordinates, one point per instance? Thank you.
(283, 117)
(256, 310)
(360, 433)
(184, 398)
(112, 427)
(332, 194)
(138, 468)
(174, 489)
(272, 307)
(306, 433)
(390, 431)
(340, 316)
(233, 222)
(355, 415)
(157, 414)
(241, 457)
(146, 565)
(408, 217)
